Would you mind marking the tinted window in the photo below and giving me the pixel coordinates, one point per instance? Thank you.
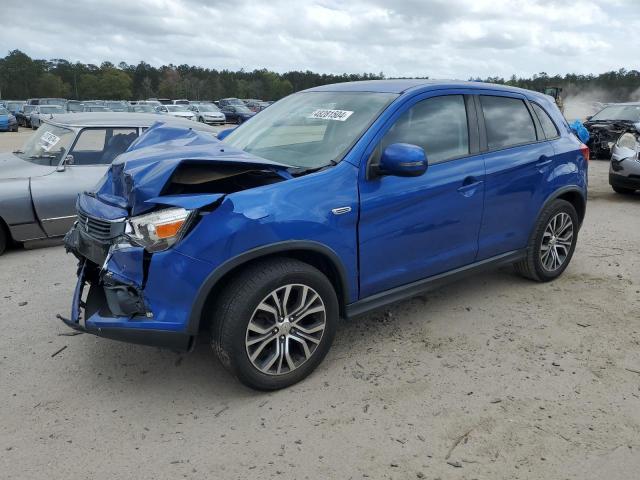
(438, 125)
(507, 121)
(548, 127)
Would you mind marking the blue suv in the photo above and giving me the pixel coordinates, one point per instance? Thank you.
(330, 203)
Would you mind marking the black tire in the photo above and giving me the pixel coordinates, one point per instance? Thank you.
(239, 121)
(237, 304)
(532, 265)
(4, 238)
(201, 119)
(622, 190)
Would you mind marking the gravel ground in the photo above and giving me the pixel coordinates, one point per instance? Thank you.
(494, 377)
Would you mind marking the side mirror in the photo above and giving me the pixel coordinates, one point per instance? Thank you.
(403, 160)
(222, 134)
(68, 160)
(588, 117)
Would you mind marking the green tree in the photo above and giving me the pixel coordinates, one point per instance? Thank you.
(50, 85)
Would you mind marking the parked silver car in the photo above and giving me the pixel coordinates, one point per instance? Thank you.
(67, 155)
(624, 170)
(44, 111)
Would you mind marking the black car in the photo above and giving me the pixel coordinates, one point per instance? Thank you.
(237, 113)
(23, 116)
(606, 127)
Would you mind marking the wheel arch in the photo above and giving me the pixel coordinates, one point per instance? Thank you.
(572, 194)
(313, 253)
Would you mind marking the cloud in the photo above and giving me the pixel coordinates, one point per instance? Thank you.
(436, 38)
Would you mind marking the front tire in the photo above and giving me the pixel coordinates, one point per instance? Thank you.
(551, 244)
(274, 323)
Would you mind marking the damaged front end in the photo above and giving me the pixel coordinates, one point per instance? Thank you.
(132, 285)
(603, 135)
(624, 171)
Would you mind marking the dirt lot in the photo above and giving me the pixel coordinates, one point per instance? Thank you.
(494, 377)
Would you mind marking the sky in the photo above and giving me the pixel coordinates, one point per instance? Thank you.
(435, 38)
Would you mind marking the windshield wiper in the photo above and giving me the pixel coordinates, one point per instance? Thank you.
(17, 151)
(42, 156)
(306, 170)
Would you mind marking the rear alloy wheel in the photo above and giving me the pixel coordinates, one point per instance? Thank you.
(552, 243)
(274, 323)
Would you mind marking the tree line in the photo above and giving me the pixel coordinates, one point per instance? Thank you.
(22, 77)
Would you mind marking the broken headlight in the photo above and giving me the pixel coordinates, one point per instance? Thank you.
(159, 230)
(628, 140)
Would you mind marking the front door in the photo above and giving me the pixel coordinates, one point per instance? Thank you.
(54, 195)
(414, 227)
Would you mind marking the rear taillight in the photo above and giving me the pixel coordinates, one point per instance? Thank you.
(585, 151)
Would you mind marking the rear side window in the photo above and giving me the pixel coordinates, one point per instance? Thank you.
(548, 127)
(438, 125)
(507, 121)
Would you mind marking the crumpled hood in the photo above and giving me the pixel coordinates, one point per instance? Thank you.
(12, 166)
(141, 173)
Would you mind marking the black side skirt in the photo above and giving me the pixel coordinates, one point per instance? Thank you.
(412, 289)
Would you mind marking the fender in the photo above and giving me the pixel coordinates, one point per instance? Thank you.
(281, 247)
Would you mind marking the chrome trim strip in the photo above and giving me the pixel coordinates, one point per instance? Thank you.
(53, 219)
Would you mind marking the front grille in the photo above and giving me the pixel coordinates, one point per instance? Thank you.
(98, 228)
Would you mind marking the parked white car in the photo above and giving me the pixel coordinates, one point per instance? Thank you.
(180, 111)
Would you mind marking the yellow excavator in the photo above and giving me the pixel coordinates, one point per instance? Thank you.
(556, 93)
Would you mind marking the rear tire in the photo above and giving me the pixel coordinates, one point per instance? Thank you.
(551, 244)
(622, 190)
(260, 324)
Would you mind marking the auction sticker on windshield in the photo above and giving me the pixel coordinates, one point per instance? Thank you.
(324, 114)
(49, 140)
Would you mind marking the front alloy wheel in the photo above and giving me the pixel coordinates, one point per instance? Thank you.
(285, 329)
(274, 322)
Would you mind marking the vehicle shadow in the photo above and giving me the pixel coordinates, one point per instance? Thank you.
(151, 371)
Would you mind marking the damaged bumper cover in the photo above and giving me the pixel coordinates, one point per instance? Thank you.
(125, 293)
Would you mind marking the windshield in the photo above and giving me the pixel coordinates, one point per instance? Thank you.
(143, 108)
(117, 106)
(96, 108)
(51, 109)
(241, 109)
(75, 107)
(47, 145)
(310, 129)
(233, 101)
(208, 108)
(177, 108)
(629, 113)
(29, 108)
(3, 111)
(14, 105)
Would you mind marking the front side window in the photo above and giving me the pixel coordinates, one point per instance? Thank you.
(507, 121)
(548, 127)
(438, 125)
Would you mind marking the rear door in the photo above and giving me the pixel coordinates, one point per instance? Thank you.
(411, 228)
(518, 161)
(54, 195)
